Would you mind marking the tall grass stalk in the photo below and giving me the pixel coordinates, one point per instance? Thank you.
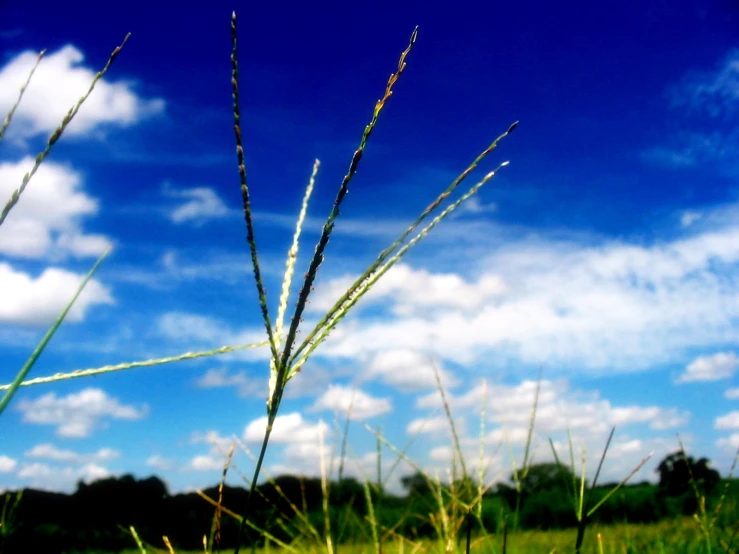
(581, 499)
(13, 387)
(286, 360)
(706, 521)
(56, 135)
(20, 379)
(519, 477)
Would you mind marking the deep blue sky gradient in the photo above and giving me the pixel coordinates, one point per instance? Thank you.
(598, 89)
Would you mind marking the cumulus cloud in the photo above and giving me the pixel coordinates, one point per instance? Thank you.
(287, 429)
(558, 408)
(728, 421)
(48, 451)
(77, 415)
(57, 85)
(406, 370)
(721, 365)
(29, 300)
(47, 220)
(201, 204)
(7, 464)
(356, 403)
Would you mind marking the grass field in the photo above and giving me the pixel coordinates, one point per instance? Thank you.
(680, 536)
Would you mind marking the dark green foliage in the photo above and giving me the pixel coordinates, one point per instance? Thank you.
(677, 472)
(89, 519)
(417, 484)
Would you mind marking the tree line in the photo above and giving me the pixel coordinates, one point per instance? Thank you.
(97, 515)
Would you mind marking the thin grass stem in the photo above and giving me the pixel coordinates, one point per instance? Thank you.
(131, 365)
(13, 387)
(58, 133)
(9, 117)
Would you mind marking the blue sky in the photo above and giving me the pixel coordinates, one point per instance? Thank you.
(605, 253)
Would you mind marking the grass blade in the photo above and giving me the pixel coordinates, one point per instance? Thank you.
(57, 134)
(10, 392)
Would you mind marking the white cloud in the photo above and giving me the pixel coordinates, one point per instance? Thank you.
(728, 421)
(157, 462)
(7, 464)
(721, 365)
(732, 394)
(287, 429)
(699, 97)
(46, 221)
(219, 445)
(211, 332)
(203, 203)
(433, 426)
(50, 452)
(57, 85)
(206, 463)
(221, 377)
(558, 409)
(39, 300)
(64, 479)
(77, 415)
(358, 404)
(412, 290)
(405, 369)
(689, 217)
(582, 305)
(730, 443)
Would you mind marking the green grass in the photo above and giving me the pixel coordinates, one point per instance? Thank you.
(679, 536)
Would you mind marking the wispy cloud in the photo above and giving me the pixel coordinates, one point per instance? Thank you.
(159, 463)
(701, 98)
(47, 451)
(201, 204)
(221, 377)
(60, 479)
(587, 305)
(714, 93)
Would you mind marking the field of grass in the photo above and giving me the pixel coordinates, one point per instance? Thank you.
(679, 536)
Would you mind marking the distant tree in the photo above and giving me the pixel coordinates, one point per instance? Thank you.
(539, 479)
(545, 477)
(675, 472)
(416, 484)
